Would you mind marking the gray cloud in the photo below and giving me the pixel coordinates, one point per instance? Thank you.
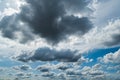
(115, 40)
(10, 26)
(48, 74)
(73, 72)
(47, 54)
(63, 66)
(23, 67)
(77, 6)
(48, 19)
(94, 73)
(20, 74)
(44, 68)
(7, 27)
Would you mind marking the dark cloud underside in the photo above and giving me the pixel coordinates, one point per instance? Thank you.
(49, 19)
(47, 54)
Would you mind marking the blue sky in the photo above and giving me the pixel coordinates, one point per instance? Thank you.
(94, 54)
(60, 39)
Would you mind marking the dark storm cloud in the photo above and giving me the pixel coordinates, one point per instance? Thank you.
(47, 54)
(48, 19)
(115, 41)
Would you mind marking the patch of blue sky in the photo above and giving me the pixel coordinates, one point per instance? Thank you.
(96, 53)
(7, 62)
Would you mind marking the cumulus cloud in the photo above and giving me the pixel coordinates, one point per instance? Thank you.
(47, 54)
(44, 68)
(20, 74)
(73, 72)
(110, 65)
(64, 24)
(13, 29)
(107, 36)
(48, 19)
(48, 74)
(63, 66)
(23, 67)
(56, 20)
(93, 73)
(112, 57)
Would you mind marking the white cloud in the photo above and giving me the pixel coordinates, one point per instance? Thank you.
(9, 11)
(98, 37)
(112, 57)
(48, 74)
(22, 67)
(9, 7)
(45, 68)
(105, 10)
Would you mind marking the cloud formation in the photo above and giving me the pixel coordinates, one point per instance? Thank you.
(112, 57)
(115, 40)
(48, 19)
(7, 27)
(47, 54)
(56, 20)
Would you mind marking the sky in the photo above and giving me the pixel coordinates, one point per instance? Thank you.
(59, 40)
